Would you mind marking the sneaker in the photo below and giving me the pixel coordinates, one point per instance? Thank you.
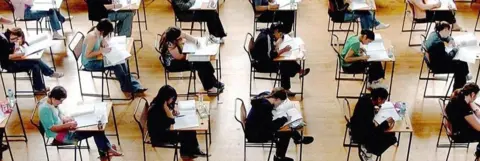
(219, 85)
(375, 84)
(43, 91)
(382, 26)
(3, 147)
(200, 153)
(141, 90)
(304, 73)
(469, 76)
(365, 156)
(282, 159)
(57, 75)
(214, 91)
(305, 140)
(57, 36)
(216, 40)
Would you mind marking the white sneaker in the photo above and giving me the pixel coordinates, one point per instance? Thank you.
(365, 156)
(216, 40)
(57, 36)
(382, 26)
(469, 76)
(57, 75)
(375, 84)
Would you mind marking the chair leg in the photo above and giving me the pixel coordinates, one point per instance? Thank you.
(144, 153)
(191, 28)
(449, 148)
(349, 149)
(426, 84)
(245, 150)
(440, 133)
(46, 151)
(270, 152)
(411, 32)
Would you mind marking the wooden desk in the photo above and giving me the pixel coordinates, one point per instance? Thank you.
(203, 127)
(403, 126)
(93, 127)
(446, 5)
(130, 45)
(295, 55)
(370, 3)
(286, 128)
(3, 125)
(45, 5)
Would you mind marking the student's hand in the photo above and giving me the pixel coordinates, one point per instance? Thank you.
(365, 57)
(391, 122)
(287, 48)
(67, 119)
(106, 50)
(175, 112)
(438, 4)
(72, 125)
(273, 6)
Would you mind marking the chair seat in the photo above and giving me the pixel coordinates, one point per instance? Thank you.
(422, 20)
(57, 143)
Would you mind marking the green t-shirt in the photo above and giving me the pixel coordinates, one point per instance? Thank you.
(352, 43)
(50, 116)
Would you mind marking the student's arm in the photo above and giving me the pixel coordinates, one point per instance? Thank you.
(170, 119)
(475, 109)
(278, 123)
(420, 4)
(48, 121)
(90, 42)
(349, 58)
(473, 121)
(182, 5)
(189, 37)
(173, 49)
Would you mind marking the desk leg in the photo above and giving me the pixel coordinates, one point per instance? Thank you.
(53, 60)
(478, 71)
(398, 141)
(115, 124)
(136, 60)
(190, 81)
(144, 15)
(301, 146)
(68, 12)
(209, 127)
(303, 78)
(409, 145)
(8, 143)
(295, 23)
(391, 80)
(140, 29)
(206, 144)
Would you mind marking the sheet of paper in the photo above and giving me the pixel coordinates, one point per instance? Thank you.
(82, 109)
(445, 4)
(477, 101)
(468, 48)
(88, 119)
(358, 5)
(198, 4)
(186, 105)
(375, 46)
(37, 44)
(294, 114)
(387, 110)
(119, 52)
(378, 55)
(186, 121)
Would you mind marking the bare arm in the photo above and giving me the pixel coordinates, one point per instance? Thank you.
(420, 4)
(188, 37)
(168, 111)
(349, 58)
(473, 121)
(476, 109)
(90, 42)
(176, 53)
(63, 127)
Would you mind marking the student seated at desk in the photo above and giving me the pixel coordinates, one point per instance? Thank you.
(269, 12)
(266, 49)
(440, 61)
(354, 59)
(12, 59)
(370, 135)
(214, 24)
(463, 114)
(266, 117)
(62, 128)
(338, 11)
(22, 10)
(95, 45)
(161, 116)
(100, 9)
(424, 12)
(172, 45)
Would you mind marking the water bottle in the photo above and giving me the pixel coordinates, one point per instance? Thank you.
(203, 108)
(11, 98)
(391, 51)
(403, 109)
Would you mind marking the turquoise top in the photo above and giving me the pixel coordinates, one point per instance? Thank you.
(50, 116)
(352, 43)
(96, 47)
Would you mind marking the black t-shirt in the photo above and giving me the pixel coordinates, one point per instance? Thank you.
(456, 111)
(6, 48)
(97, 10)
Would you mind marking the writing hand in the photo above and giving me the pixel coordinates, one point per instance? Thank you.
(287, 48)
(438, 4)
(176, 113)
(365, 57)
(106, 50)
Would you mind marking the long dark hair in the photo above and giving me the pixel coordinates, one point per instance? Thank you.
(467, 89)
(103, 25)
(163, 95)
(169, 36)
(17, 32)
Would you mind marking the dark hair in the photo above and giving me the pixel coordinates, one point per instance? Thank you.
(58, 92)
(169, 36)
(442, 25)
(370, 35)
(103, 25)
(467, 89)
(17, 32)
(379, 93)
(277, 26)
(279, 93)
(163, 95)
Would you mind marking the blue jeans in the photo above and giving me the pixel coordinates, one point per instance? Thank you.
(367, 20)
(54, 15)
(121, 73)
(101, 140)
(124, 24)
(38, 68)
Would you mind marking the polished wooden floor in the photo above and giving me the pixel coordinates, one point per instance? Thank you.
(322, 110)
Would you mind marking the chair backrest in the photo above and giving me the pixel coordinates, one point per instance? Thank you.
(37, 123)
(346, 110)
(240, 105)
(336, 47)
(140, 116)
(248, 45)
(76, 45)
(445, 122)
(10, 5)
(158, 47)
(424, 50)
(412, 8)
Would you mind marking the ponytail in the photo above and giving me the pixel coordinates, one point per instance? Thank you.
(468, 89)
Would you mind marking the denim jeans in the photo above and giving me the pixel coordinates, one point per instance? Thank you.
(54, 15)
(121, 73)
(367, 20)
(125, 20)
(38, 68)
(101, 140)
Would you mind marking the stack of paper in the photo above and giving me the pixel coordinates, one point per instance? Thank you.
(118, 53)
(468, 48)
(294, 115)
(45, 5)
(85, 116)
(201, 52)
(37, 44)
(376, 50)
(386, 111)
(356, 5)
(188, 117)
(295, 44)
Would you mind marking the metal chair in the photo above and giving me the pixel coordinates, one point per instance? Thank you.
(416, 21)
(76, 46)
(256, 15)
(248, 46)
(346, 115)
(38, 22)
(452, 143)
(182, 18)
(140, 116)
(51, 141)
(242, 120)
(425, 60)
(339, 72)
(333, 6)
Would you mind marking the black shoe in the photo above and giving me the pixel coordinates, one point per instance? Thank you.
(3, 147)
(141, 90)
(282, 159)
(219, 85)
(477, 155)
(305, 72)
(200, 154)
(305, 140)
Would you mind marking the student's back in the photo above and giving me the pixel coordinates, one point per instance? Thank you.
(258, 126)
(263, 46)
